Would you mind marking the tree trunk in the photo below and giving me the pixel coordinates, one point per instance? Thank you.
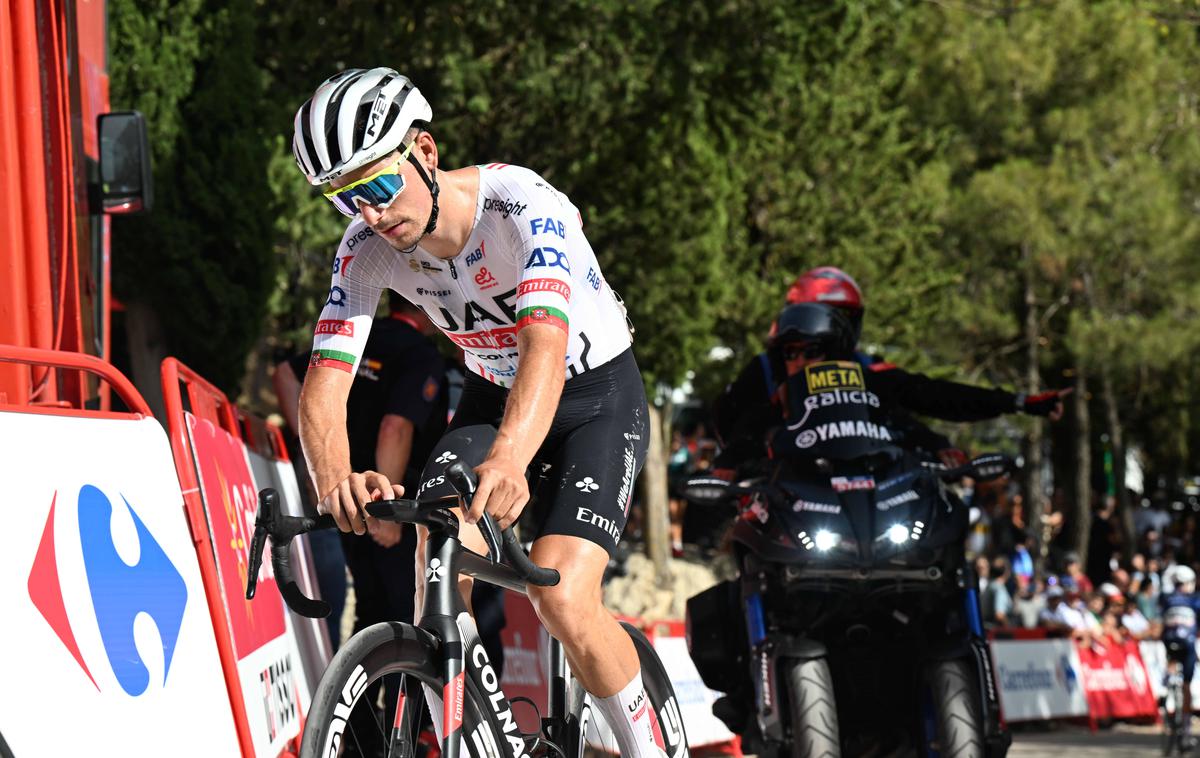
(656, 519)
(1117, 437)
(1035, 498)
(147, 349)
(1081, 510)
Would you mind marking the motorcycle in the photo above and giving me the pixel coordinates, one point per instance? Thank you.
(854, 626)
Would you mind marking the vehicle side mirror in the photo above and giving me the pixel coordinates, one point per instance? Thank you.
(705, 489)
(126, 182)
(989, 466)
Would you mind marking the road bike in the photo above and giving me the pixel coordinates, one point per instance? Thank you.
(1175, 717)
(443, 652)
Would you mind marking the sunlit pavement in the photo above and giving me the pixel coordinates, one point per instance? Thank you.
(1068, 741)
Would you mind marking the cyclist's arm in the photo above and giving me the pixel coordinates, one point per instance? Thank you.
(323, 426)
(338, 343)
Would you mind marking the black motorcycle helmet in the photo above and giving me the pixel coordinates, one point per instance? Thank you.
(824, 325)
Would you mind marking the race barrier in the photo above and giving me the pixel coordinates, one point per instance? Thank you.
(1041, 678)
(268, 680)
(108, 641)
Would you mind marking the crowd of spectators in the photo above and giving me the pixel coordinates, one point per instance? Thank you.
(1103, 598)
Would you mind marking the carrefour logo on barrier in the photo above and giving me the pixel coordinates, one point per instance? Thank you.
(1065, 673)
(119, 591)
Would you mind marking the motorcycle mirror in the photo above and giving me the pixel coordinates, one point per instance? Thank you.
(991, 466)
(705, 489)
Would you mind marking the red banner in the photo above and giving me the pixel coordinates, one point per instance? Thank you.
(227, 487)
(1116, 681)
(524, 653)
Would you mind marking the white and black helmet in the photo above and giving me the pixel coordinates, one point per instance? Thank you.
(355, 117)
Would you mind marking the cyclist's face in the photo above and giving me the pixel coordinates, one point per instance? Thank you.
(402, 223)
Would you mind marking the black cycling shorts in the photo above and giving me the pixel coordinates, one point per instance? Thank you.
(1183, 651)
(584, 472)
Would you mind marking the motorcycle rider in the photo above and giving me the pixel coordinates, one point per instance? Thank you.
(749, 404)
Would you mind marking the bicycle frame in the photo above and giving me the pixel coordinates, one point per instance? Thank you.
(444, 617)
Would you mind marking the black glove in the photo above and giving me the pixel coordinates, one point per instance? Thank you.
(1041, 404)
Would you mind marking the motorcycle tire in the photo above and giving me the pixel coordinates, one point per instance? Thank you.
(959, 718)
(813, 713)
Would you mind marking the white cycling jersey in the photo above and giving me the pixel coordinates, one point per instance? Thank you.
(527, 261)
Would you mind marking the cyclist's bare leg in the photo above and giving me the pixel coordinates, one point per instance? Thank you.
(601, 655)
(600, 652)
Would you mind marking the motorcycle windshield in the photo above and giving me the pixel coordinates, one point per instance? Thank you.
(828, 415)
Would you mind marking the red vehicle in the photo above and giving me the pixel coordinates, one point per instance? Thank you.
(65, 162)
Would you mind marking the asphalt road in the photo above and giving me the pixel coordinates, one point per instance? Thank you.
(1121, 741)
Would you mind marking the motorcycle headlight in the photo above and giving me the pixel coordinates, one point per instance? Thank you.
(825, 540)
(898, 534)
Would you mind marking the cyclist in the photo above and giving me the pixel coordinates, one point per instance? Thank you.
(498, 260)
(1179, 608)
(738, 411)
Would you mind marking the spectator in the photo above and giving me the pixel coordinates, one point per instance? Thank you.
(1022, 560)
(981, 573)
(1134, 621)
(678, 469)
(1137, 573)
(1074, 569)
(1152, 544)
(1095, 605)
(1147, 601)
(1059, 615)
(997, 602)
(1029, 602)
(1102, 540)
(1110, 632)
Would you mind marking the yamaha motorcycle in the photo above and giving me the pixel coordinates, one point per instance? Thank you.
(854, 625)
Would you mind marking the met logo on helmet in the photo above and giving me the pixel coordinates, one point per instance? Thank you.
(120, 592)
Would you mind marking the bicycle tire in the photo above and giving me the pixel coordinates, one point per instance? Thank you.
(335, 722)
(1173, 718)
(583, 719)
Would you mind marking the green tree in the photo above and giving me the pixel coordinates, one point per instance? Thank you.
(199, 269)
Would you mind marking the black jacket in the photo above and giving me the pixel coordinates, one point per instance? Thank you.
(749, 407)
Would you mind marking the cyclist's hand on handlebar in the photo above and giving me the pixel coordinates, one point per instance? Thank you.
(347, 501)
(502, 492)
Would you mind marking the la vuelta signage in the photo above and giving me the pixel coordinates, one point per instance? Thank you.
(230, 504)
(1116, 681)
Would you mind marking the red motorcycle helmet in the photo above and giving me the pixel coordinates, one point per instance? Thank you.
(830, 286)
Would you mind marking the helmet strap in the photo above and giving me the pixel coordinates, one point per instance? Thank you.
(431, 183)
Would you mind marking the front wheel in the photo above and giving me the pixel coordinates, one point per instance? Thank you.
(813, 709)
(347, 717)
(585, 722)
(956, 701)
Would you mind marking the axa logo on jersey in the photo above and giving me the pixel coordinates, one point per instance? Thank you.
(120, 592)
